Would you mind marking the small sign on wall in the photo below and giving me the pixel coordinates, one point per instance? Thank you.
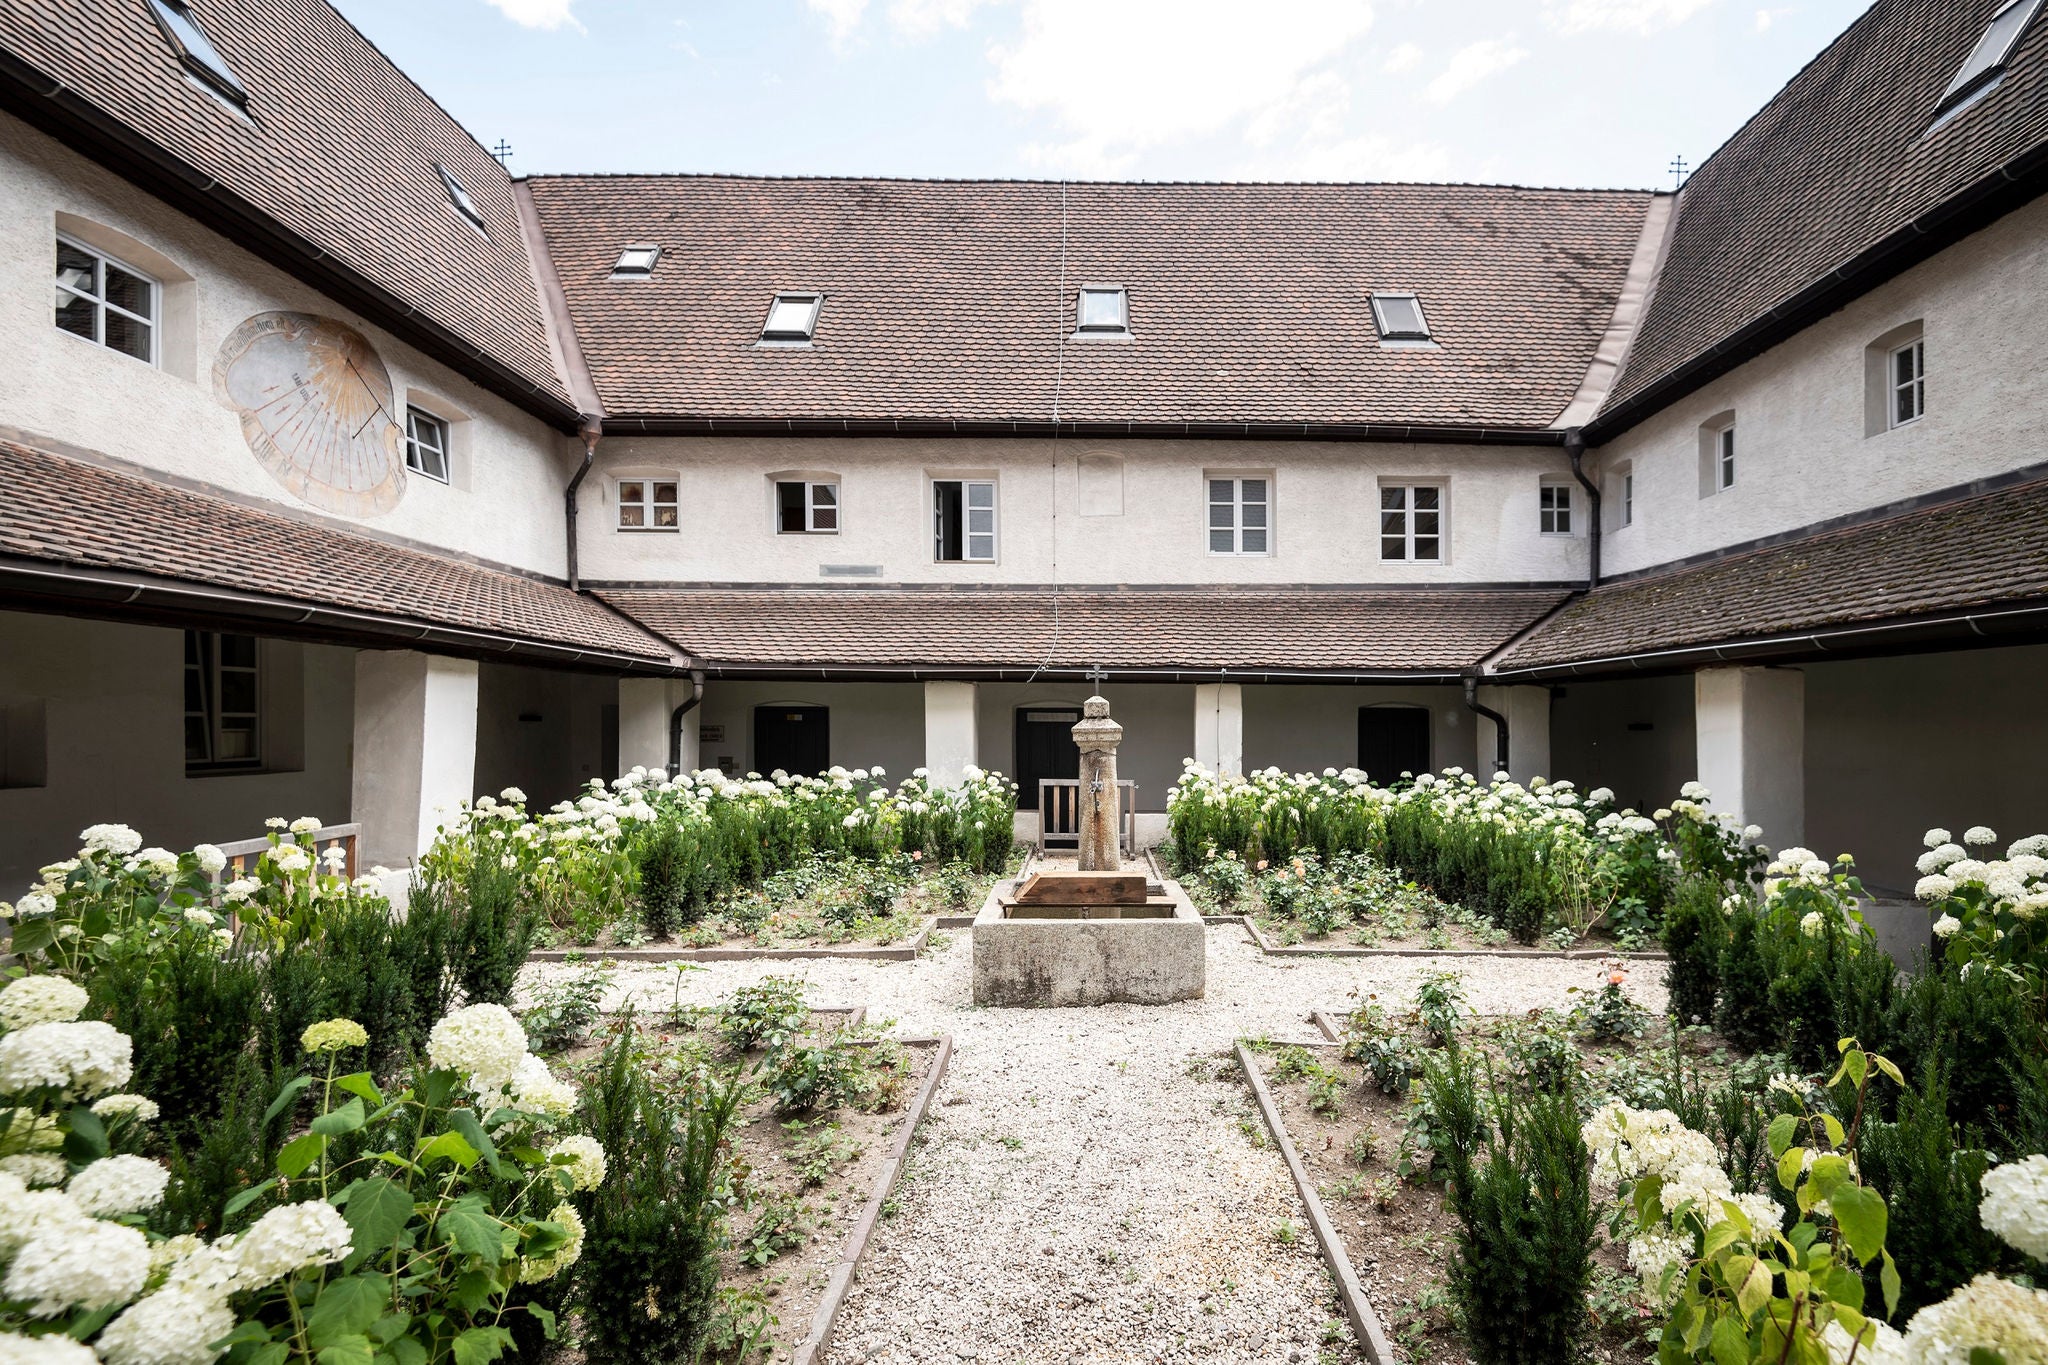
(711, 734)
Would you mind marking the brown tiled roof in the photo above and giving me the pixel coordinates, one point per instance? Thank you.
(1249, 303)
(1979, 552)
(77, 513)
(1241, 630)
(1837, 162)
(339, 148)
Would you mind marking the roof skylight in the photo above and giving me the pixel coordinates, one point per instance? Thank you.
(792, 318)
(636, 262)
(1985, 66)
(1399, 317)
(459, 197)
(196, 51)
(1104, 310)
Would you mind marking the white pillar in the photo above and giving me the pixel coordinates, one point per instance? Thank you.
(1751, 726)
(415, 749)
(1219, 727)
(949, 732)
(1528, 713)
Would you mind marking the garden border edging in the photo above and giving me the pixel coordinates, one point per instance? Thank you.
(811, 1351)
(903, 952)
(1272, 949)
(1365, 1323)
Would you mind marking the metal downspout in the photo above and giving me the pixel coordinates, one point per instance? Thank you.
(675, 721)
(590, 427)
(1575, 449)
(1500, 722)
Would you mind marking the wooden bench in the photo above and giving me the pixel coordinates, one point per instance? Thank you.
(1059, 813)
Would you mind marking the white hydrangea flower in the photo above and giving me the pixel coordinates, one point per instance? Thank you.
(1946, 925)
(2033, 844)
(290, 1238)
(1979, 834)
(1933, 888)
(586, 1165)
(51, 1349)
(1812, 925)
(1881, 1344)
(1650, 1254)
(289, 858)
(139, 1108)
(1752, 832)
(534, 1269)
(1600, 795)
(26, 1213)
(1762, 1211)
(1936, 837)
(170, 1327)
(1928, 863)
(2015, 1205)
(211, 860)
(536, 1090)
(199, 915)
(115, 839)
(87, 1265)
(1988, 1314)
(116, 1185)
(83, 1058)
(40, 1000)
(160, 861)
(240, 889)
(513, 795)
(483, 1042)
(35, 1168)
(306, 824)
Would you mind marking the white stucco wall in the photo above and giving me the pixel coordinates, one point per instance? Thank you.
(112, 699)
(503, 504)
(1310, 728)
(1802, 452)
(870, 722)
(1324, 511)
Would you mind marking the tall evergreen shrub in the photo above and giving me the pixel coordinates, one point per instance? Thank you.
(1930, 1183)
(494, 929)
(664, 865)
(1695, 936)
(1743, 1015)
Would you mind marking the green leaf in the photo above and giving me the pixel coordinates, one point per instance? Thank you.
(285, 1097)
(547, 1319)
(1721, 1236)
(1781, 1131)
(346, 1307)
(273, 1353)
(361, 1084)
(470, 1229)
(1984, 1355)
(464, 1122)
(1837, 1135)
(1889, 1279)
(1650, 1200)
(335, 1122)
(1884, 1064)
(1755, 1289)
(408, 1351)
(300, 1153)
(449, 1145)
(1861, 1215)
(389, 1328)
(1790, 1165)
(378, 1210)
(87, 1140)
(481, 1345)
(33, 935)
(353, 1350)
(1730, 1344)
(244, 1200)
(473, 1290)
(1830, 1172)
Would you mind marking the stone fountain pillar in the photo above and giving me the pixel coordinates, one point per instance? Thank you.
(1101, 824)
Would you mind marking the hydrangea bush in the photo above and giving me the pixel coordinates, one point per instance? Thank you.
(1989, 913)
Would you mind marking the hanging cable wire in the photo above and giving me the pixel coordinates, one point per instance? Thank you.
(1059, 376)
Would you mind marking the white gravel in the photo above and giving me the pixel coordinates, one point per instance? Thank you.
(1078, 1192)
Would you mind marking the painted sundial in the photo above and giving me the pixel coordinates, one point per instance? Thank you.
(315, 403)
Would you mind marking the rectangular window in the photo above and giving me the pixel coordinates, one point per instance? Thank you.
(1909, 382)
(196, 51)
(1399, 317)
(964, 520)
(223, 703)
(806, 508)
(792, 319)
(426, 444)
(104, 301)
(1724, 458)
(1104, 311)
(1412, 522)
(1240, 517)
(647, 504)
(1555, 503)
(1628, 497)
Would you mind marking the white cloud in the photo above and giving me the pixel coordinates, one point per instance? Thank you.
(1619, 16)
(1766, 17)
(1471, 65)
(923, 18)
(537, 13)
(1369, 156)
(1406, 57)
(843, 15)
(1120, 79)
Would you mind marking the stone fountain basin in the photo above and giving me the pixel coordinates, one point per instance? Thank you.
(1149, 953)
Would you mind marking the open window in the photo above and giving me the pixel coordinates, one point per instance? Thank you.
(196, 53)
(1984, 68)
(964, 521)
(806, 507)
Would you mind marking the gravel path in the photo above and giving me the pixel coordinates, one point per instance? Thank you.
(1085, 1189)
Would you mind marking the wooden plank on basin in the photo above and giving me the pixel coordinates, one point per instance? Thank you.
(1082, 888)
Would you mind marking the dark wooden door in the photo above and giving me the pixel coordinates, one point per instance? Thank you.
(1045, 748)
(796, 739)
(1393, 740)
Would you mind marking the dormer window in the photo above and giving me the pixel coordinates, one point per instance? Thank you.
(792, 320)
(1104, 311)
(1984, 68)
(459, 197)
(196, 52)
(1399, 317)
(636, 262)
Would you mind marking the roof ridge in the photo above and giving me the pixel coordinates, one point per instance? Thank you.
(1053, 183)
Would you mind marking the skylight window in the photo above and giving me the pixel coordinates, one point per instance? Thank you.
(1985, 66)
(459, 197)
(196, 51)
(1399, 317)
(636, 262)
(1105, 310)
(792, 318)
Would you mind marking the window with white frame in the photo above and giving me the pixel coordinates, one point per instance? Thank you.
(426, 444)
(1554, 509)
(964, 520)
(223, 702)
(196, 52)
(1906, 369)
(1240, 516)
(803, 507)
(1625, 504)
(792, 320)
(105, 301)
(1412, 522)
(1724, 458)
(1104, 311)
(1985, 66)
(647, 504)
(1399, 317)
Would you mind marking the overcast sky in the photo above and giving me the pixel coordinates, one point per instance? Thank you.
(1531, 92)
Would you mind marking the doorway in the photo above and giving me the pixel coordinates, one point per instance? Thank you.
(1393, 740)
(796, 739)
(1045, 748)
